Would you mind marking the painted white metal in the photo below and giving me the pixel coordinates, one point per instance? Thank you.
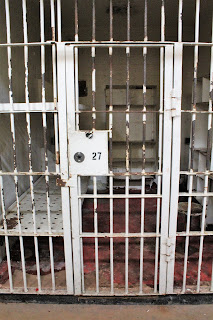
(94, 147)
(63, 138)
(167, 131)
(75, 210)
(28, 107)
(176, 140)
(160, 148)
(56, 218)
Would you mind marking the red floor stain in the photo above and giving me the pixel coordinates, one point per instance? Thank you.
(148, 244)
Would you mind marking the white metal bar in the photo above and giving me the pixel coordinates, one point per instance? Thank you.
(180, 20)
(120, 235)
(120, 196)
(168, 83)
(27, 106)
(106, 44)
(187, 237)
(191, 154)
(12, 124)
(62, 101)
(81, 231)
(202, 231)
(159, 178)
(142, 238)
(75, 219)
(26, 60)
(5, 232)
(52, 8)
(110, 152)
(96, 232)
(111, 238)
(208, 166)
(127, 152)
(44, 123)
(59, 19)
(76, 66)
(176, 145)
(143, 146)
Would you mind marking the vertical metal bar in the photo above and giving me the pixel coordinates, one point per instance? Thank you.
(28, 121)
(180, 20)
(52, 8)
(142, 235)
(59, 19)
(159, 178)
(63, 138)
(191, 154)
(168, 83)
(76, 66)
(77, 128)
(110, 149)
(44, 122)
(6, 237)
(187, 237)
(93, 51)
(96, 232)
(75, 219)
(12, 123)
(111, 233)
(175, 174)
(93, 68)
(81, 239)
(143, 146)
(209, 138)
(206, 180)
(26, 60)
(110, 89)
(127, 150)
(195, 81)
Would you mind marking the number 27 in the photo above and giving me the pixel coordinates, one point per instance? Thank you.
(96, 156)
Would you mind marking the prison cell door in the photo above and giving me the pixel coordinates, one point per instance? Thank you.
(89, 156)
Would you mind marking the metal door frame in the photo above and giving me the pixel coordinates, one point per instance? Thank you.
(67, 68)
(175, 164)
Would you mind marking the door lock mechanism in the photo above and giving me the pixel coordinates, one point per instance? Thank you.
(79, 157)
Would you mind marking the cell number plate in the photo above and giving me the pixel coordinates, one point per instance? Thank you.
(89, 153)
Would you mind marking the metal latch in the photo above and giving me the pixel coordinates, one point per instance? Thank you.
(176, 104)
(170, 249)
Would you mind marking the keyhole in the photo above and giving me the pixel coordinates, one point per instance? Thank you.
(79, 157)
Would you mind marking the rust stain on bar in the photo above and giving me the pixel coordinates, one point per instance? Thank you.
(57, 157)
(60, 183)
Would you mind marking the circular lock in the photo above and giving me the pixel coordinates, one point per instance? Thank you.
(79, 157)
(89, 135)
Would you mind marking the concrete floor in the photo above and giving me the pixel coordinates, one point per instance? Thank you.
(21, 311)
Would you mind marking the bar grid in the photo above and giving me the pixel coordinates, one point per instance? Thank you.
(66, 113)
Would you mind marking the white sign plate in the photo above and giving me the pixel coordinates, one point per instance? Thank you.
(89, 153)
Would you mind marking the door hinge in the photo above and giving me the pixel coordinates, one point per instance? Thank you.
(176, 105)
(170, 249)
